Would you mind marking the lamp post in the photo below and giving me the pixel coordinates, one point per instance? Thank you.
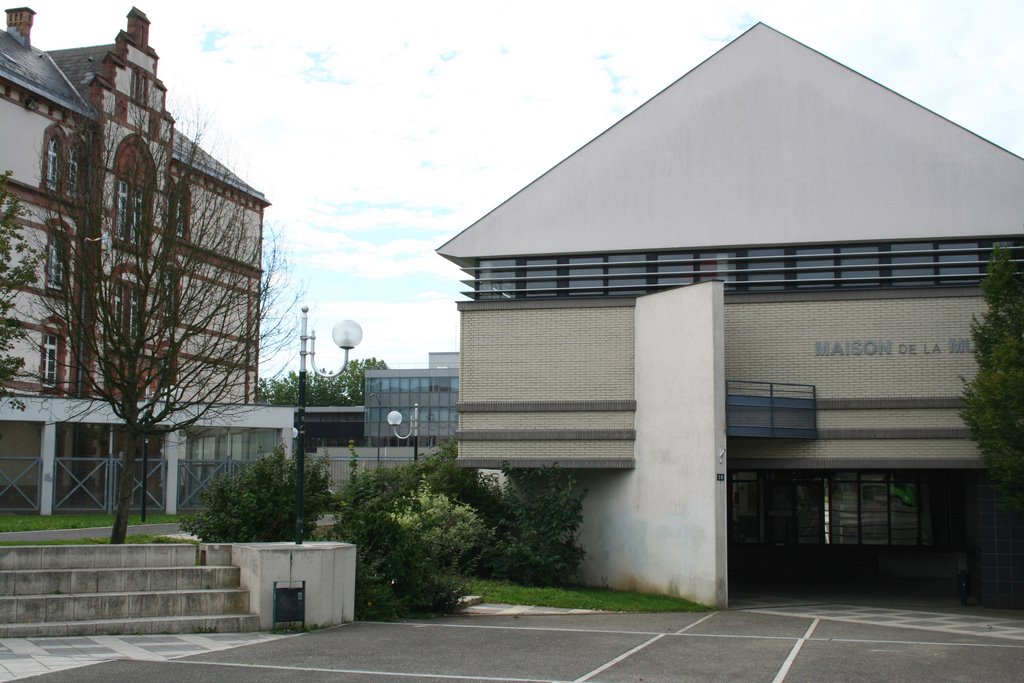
(377, 422)
(395, 420)
(346, 334)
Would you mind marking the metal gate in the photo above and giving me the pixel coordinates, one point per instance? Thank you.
(20, 484)
(90, 484)
(195, 475)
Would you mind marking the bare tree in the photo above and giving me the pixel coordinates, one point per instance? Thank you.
(155, 276)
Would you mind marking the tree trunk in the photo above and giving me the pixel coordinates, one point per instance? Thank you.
(125, 484)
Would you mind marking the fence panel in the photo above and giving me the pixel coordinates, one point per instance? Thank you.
(195, 475)
(341, 468)
(90, 484)
(20, 482)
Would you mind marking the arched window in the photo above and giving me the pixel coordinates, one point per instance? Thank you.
(51, 164)
(133, 190)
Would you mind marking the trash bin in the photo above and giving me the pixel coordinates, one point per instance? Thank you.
(289, 602)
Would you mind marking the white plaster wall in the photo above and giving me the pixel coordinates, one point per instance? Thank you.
(662, 526)
(21, 143)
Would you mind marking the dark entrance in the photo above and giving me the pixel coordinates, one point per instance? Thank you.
(850, 527)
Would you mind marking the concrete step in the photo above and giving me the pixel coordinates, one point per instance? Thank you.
(98, 556)
(231, 623)
(113, 580)
(29, 609)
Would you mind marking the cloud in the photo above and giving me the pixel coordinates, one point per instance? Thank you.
(379, 130)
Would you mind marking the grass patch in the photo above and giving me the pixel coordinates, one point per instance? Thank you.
(46, 523)
(140, 538)
(578, 597)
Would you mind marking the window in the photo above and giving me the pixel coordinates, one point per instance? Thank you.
(635, 264)
(133, 311)
(53, 163)
(50, 359)
(118, 304)
(73, 171)
(496, 284)
(854, 271)
(911, 264)
(55, 261)
(180, 205)
(535, 285)
(140, 86)
(680, 267)
(588, 280)
(129, 210)
(761, 268)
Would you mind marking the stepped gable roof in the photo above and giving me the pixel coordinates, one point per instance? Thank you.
(80, 65)
(36, 71)
(767, 142)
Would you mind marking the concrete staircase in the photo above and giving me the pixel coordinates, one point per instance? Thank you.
(113, 590)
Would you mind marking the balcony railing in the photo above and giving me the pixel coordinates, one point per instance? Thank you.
(772, 410)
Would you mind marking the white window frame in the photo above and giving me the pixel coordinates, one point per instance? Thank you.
(54, 262)
(50, 349)
(53, 163)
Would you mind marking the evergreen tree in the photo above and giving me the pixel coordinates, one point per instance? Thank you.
(994, 410)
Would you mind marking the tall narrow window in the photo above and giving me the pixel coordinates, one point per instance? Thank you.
(140, 86)
(73, 171)
(129, 209)
(55, 261)
(118, 304)
(50, 360)
(133, 312)
(122, 209)
(52, 163)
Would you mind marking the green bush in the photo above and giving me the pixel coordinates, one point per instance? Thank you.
(257, 502)
(416, 534)
(539, 521)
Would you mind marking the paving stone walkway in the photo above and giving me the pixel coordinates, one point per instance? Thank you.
(960, 624)
(23, 657)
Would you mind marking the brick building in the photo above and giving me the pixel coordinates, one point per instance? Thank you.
(144, 236)
(742, 315)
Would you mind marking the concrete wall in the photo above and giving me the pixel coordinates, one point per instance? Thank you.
(662, 527)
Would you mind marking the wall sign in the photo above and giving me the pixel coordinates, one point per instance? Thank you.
(888, 347)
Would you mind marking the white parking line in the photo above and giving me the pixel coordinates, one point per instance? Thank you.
(786, 665)
(618, 659)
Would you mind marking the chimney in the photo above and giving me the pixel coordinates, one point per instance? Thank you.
(138, 27)
(19, 24)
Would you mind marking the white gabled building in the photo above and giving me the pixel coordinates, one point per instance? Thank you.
(742, 315)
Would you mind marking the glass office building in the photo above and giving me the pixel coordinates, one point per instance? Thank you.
(435, 389)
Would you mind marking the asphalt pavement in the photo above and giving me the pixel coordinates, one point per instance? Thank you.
(795, 644)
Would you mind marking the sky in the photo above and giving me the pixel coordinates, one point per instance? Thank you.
(380, 129)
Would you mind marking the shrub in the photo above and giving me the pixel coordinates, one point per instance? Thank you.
(415, 533)
(257, 501)
(541, 514)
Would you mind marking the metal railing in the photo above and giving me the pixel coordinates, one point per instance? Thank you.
(770, 409)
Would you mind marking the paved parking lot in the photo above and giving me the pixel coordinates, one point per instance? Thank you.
(814, 642)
